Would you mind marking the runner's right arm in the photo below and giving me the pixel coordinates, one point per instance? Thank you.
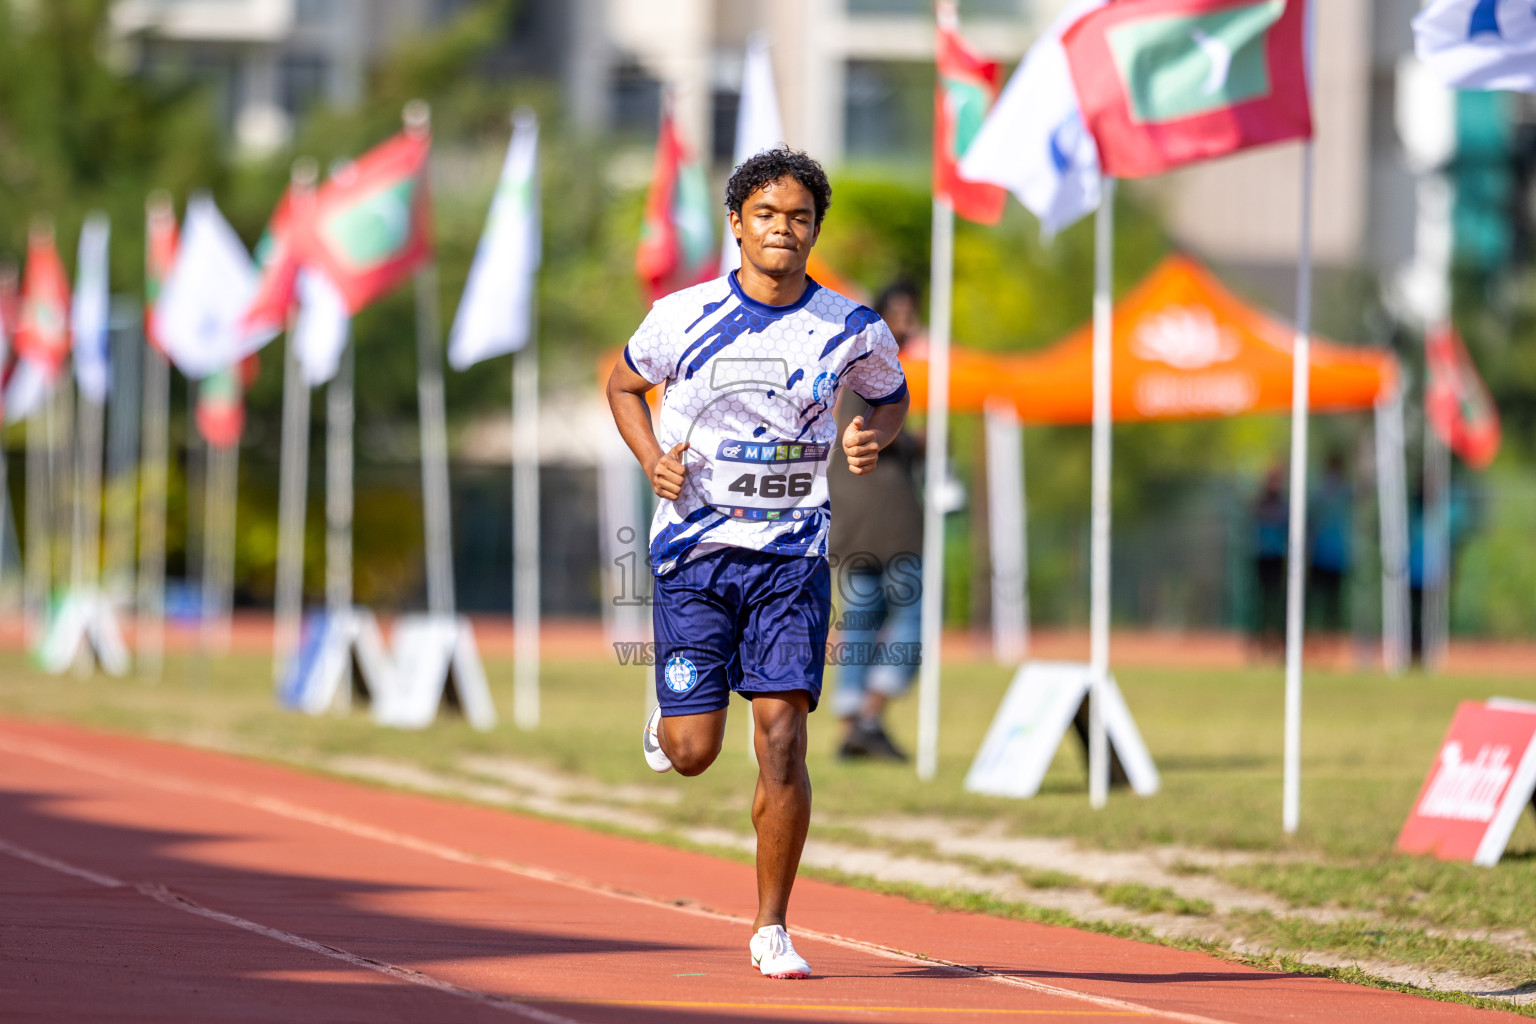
(626, 397)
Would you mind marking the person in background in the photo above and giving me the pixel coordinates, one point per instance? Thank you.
(876, 545)
(1331, 523)
(1271, 526)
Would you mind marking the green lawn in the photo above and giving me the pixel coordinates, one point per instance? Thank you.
(1215, 735)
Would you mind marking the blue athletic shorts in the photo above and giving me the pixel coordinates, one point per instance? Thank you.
(742, 620)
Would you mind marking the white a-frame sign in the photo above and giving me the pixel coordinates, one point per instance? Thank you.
(436, 662)
(341, 656)
(1036, 713)
(83, 624)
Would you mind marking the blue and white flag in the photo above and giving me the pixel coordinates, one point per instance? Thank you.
(1034, 142)
(496, 313)
(758, 127)
(323, 328)
(200, 315)
(1479, 44)
(88, 316)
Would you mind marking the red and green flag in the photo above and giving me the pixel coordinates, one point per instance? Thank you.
(221, 402)
(1165, 83)
(42, 329)
(277, 256)
(677, 236)
(372, 222)
(160, 238)
(1456, 400)
(965, 90)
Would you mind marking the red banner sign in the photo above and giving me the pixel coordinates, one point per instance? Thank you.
(1481, 781)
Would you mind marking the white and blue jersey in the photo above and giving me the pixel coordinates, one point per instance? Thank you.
(751, 388)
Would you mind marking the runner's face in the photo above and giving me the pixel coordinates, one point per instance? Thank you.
(777, 227)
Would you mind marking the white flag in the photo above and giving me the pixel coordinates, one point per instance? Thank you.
(1479, 44)
(1034, 142)
(202, 305)
(88, 317)
(496, 313)
(758, 127)
(323, 326)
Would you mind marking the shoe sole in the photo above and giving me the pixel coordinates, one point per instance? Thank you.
(786, 976)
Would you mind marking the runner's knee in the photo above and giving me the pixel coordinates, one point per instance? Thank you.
(691, 753)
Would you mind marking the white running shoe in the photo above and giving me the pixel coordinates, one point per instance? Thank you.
(775, 956)
(654, 755)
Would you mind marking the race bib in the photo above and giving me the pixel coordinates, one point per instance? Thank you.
(768, 480)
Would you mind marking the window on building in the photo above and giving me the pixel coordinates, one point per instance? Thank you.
(888, 111)
(635, 101)
(302, 82)
(313, 12)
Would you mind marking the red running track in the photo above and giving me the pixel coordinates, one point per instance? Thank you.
(141, 881)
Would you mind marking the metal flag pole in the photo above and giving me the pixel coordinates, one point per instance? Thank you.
(434, 444)
(1103, 376)
(1392, 505)
(1435, 611)
(1295, 625)
(85, 567)
(122, 476)
(941, 291)
(39, 514)
(222, 476)
(63, 461)
(293, 479)
(525, 531)
(150, 630)
(340, 419)
(1006, 523)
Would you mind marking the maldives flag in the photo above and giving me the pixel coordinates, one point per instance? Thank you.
(965, 90)
(1456, 400)
(160, 238)
(1170, 82)
(677, 236)
(277, 257)
(221, 402)
(42, 330)
(371, 227)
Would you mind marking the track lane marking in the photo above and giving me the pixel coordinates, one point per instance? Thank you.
(164, 896)
(52, 753)
(681, 1004)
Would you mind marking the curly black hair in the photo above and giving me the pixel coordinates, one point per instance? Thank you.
(769, 166)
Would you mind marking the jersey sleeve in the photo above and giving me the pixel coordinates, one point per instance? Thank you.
(874, 373)
(649, 351)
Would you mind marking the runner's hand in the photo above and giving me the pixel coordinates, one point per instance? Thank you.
(861, 446)
(667, 475)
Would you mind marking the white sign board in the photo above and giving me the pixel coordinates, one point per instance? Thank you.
(432, 654)
(83, 623)
(320, 678)
(1035, 715)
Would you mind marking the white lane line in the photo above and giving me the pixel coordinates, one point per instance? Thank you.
(273, 805)
(175, 901)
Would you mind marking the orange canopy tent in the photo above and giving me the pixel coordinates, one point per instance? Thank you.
(1184, 348)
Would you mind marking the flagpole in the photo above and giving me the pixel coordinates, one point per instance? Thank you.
(86, 569)
(941, 290)
(220, 506)
(525, 528)
(1099, 593)
(434, 430)
(1296, 543)
(150, 628)
(340, 419)
(293, 472)
(121, 478)
(38, 515)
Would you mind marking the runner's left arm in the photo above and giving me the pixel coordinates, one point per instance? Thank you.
(875, 375)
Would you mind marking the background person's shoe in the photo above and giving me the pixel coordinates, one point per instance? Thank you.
(869, 739)
(651, 743)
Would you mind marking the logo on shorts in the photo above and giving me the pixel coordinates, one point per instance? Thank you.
(680, 674)
(822, 389)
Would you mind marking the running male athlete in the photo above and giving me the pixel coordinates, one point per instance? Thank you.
(752, 363)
